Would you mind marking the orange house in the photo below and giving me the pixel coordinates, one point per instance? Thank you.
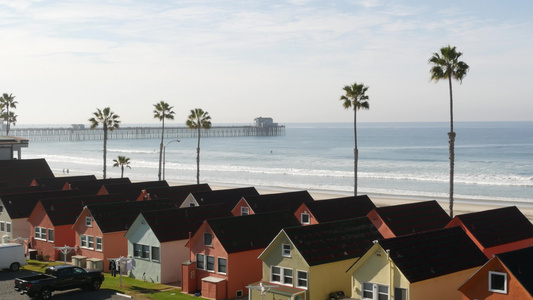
(398, 220)
(51, 222)
(288, 201)
(497, 230)
(224, 253)
(505, 276)
(100, 228)
(337, 209)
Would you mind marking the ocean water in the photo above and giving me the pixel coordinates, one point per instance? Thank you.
(493, 160)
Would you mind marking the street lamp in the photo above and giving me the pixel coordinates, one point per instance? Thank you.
(164, 155)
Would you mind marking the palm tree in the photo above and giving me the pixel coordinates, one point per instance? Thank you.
(8, 100)
(122, 161)
(109, 121)
(355, 97)
(198, 119)
(10, 119)
(162, 111)
(446, 65)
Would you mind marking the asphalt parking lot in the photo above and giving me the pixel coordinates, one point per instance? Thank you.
(7, 291)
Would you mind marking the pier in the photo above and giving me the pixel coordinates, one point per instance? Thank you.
(79, 133)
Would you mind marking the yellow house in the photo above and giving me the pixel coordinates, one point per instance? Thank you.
(310, 262)
(428, 265)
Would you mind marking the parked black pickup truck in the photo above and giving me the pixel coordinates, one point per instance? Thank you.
(58, 278)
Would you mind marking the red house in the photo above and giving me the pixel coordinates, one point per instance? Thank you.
(505, 276)
(497, 230)
(51, 222)
(224, 253)
(336, 209)
(398, 220)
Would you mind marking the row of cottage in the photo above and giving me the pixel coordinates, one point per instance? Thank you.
(236, 242)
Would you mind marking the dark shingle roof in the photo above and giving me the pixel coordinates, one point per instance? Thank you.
(250, 232)
(178, 223)
(341, 208)
(289, 201)
(60, 182)
(414, 217)
(118, 216)
(229, 197)
(333, 241)
(434, 253)
(21, 205)
(133, 189)
(20, 189)
(178, 192)
(520, 264)
(64, 211)
(22, 171)
(92, 187)
(498, 226)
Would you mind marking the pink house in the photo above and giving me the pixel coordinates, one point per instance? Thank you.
(329, 210)
(224, 253)
(497, 230)
(100, 228)
(51, 222)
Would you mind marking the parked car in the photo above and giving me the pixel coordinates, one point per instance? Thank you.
(12, 256)
(59, 278)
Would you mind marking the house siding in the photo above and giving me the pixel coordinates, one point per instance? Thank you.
(442, 287)
(143, 269)
(173, 254)
(303, 209)
(337, 279)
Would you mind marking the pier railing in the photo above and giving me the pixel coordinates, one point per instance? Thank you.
(81, 134)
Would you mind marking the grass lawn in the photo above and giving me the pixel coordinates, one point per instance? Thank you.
(133, 287)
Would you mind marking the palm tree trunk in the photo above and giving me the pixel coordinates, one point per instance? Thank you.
(451, 136)
(7, 119)
(105, 149)
(355, 151)
(198, 157)
(161, 148)
(122, 171)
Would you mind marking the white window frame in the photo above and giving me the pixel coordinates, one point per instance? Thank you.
(145, 252)
(89, 221)
(84, 239)
(219, 259)
(207, 257)
(245, 210)
(137, 250)
(200, 258)
(51, 235)
(8, 227)
(306, 214)
(505, 283)
(90, 242)
(299, 277)
(284, 277)
(208, 234)
(2, 226)
(40, 233)
(277, 274)
(286, 250)
(99, 243)
(375, 290)
(154, 250)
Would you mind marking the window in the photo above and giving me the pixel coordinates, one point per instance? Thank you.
(400, 294)
(2, 226)
(40, 233)
(200, 261)
(136, 250)
(305, 219)
(245, 210)
(381, 291)
(99, 244)
(239, 293)
(192, 204)
(498, 282)
(301, 279)
(89, 221)
(210, 263)
(208, 239)
(90, 242)
(281, 275)
(155, 254)
(286, 250)
(8, 226)
(50, 235)
(83, 241)
(222, 265)
(1, 209)
(145, 252)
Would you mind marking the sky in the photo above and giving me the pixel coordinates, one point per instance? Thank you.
(239, 59)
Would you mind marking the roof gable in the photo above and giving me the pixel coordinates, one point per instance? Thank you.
(333, 241)
(92, 187)
(434, 253)
(413, 217)
(289, 201)
(497, 226)
(19, 172)
(520, 264)
(229, 197)
(179, 223)
(250, 232)
(178, 192)
(59, 183)
(328, 210)
(133, 189)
